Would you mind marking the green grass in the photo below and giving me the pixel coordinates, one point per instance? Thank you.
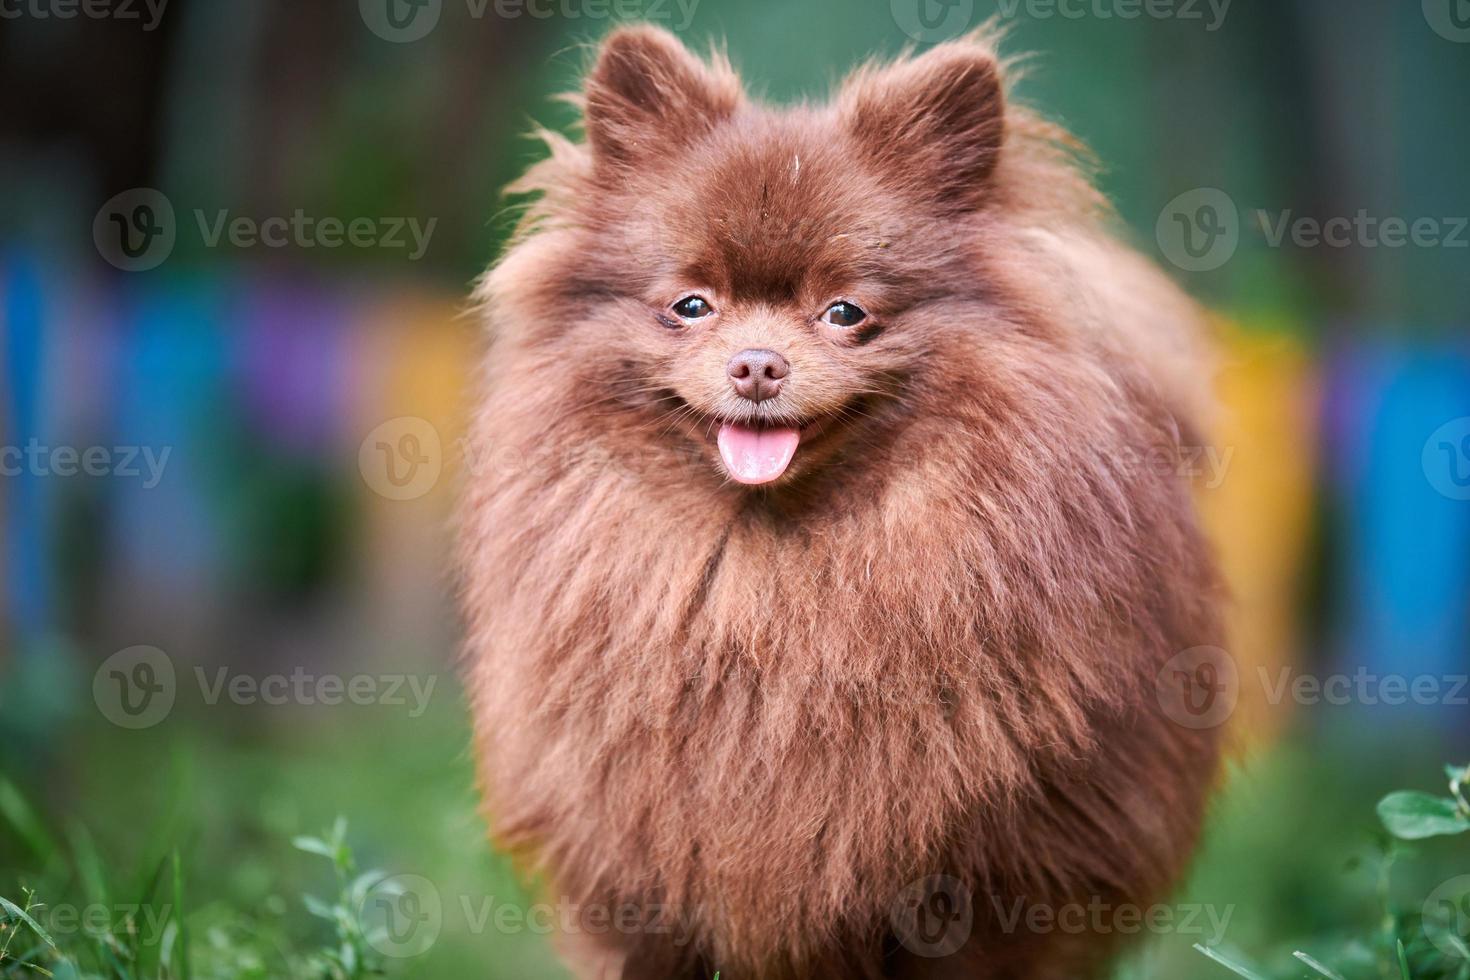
(1426, 940)
(157, 936)
(1320, 891)
(195, 851)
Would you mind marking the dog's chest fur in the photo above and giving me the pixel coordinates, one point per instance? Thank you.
(683, 701)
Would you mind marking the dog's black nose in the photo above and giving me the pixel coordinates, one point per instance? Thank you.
(757, 374)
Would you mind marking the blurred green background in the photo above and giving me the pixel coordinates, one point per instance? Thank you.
(280, 422)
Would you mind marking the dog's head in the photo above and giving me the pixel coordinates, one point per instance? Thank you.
(767, 287)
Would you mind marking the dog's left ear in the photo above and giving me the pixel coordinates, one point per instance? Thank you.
(934, 124)
(647, 96)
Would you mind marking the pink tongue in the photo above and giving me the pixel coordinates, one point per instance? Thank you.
(756, 455)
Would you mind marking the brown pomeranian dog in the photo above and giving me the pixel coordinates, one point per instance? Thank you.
(818, 591)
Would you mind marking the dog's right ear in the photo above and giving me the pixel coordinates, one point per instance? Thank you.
(647, 96)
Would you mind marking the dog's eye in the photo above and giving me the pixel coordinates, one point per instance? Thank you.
(844, 315)
(693, 307)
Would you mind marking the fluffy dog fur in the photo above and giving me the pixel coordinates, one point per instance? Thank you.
(756, 714)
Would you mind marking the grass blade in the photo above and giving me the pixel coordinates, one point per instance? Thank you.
(1317, 966)
(24, 962)
(146, 906)
(1220, 958)
(19, 913)
(184, 970)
